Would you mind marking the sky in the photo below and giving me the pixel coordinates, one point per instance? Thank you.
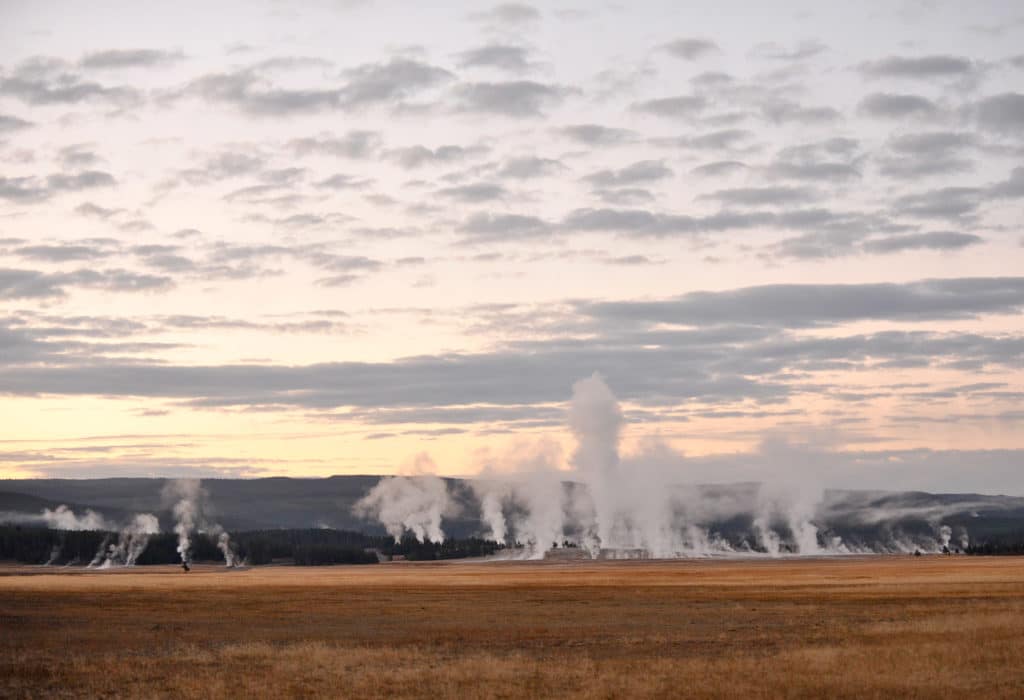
(265, 238)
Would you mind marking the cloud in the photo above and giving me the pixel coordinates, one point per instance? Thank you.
(931, 143)
(47, 81)
(690, 49)
(517, 98)
(341, 181)
(1011, 188)
(920, 67)
(399, 78)
(758, 196)
(808, 305)
(1002, 114)
(529, 167)
(368, 84)
(927, 154)
(233, 261)
(355, 144)
(732, 349)
(341, 263)
(506, 57)
(498, 228)
(827, 233)
(817, 245)
(712, 79)
(28, 284)
(509, 13)
(719, 168)
(942, 203)
(897, 106)
(786, 112)
(504, 378)
(418, 156)
(130, 58)
(816, 172)
(290, 63)
(123, 281)
(913, 168)
(776, 52)
(171, 263)
(643, 223)
(32, 284)
(712, 363)
(282, 176)
(251, 94)
(640, 172)
(826, 223)
(77, 156)
(723, 139)
(343, 280)
(96, 211)
(598, 135)
(456, 415)
(229, 163)
(631, 260)
(12, 123)
(935, 240)
(27, 190)
(682, 106)
(60, 253)
(80, 181)
(473, 193)
(624, 196)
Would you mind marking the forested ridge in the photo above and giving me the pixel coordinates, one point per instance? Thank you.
(304, 547)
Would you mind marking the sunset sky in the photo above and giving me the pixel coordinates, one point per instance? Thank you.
(381, 237)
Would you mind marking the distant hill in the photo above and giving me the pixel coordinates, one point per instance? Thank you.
(27, 504)
(280, 502)
(237, 504)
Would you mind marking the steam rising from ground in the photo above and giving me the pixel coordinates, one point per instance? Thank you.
(131, 542)
(63, 518)
(415, 503)
(185, 495)
(189, 503)
(642, 504)
(122, 550)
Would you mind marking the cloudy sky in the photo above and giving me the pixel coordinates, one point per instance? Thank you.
(249, 239)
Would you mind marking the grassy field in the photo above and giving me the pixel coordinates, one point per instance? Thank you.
(863, 627)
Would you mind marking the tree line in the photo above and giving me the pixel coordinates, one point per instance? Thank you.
(303, 547)
(1012, 544)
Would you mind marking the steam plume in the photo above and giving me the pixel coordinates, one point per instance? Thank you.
(185, 494)
(613, 504)
(190, 501)
(414, 503)
(596, 423)
(132, 541)
(63, 518)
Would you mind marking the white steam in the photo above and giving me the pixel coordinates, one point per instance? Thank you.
(131, 543)
(596, 423)
(494, 497)
(413, 503)
(185, 495)
(63, 518)
(189, 502)
(645, 504)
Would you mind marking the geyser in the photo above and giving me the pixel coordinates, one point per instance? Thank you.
(611, 504)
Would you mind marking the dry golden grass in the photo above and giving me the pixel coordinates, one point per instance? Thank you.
(871, 627)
